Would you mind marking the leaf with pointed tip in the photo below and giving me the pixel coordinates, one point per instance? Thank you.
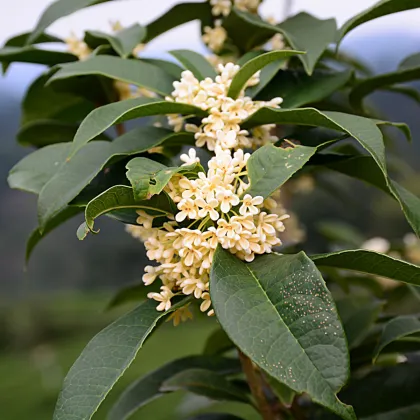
(133, 71)
(148, 387)
(370, 262)
(365, 169)
(394, 330)
(34, 55)
(382, 8)
(408, 70)
(105, 359)
(36, 235)
(270, 167)
(252, 66)
(76, 173)
(21, 39)
(121, 197)
(57, 10)
(178, 15)
(36, 169)
(302, 32)
(206, 383)
(361, 129)
(123, 42)
(148, 177)
(278, 311)
(298, 89)
(196, 63)
(104, 117)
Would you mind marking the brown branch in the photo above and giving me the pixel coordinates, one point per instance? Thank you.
(256, 385)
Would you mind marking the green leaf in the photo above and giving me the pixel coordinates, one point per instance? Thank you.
(36, 169)
(215, 416)
(302, 32)
(36, 235)
(298, 89)
(382, 8)
(148, 387)
(57, 10)
(370, 262)
(341, 233)
(171, 68)
(278, 311)
(34, 55)
(132, 71)
(408, 70)
(123, 42)
(397, 397)
(120, 197)
(254, 65)
(76, 173)
(148, 177)
(365, 169)
(105, 359)
(104, 117)
(178, 15)
(42, 133)
(196, 63)
(21, 39)
(394, 330)
(358, 315)
(44, 102)
(206, 383)
(218, 343)
(362, 129)
(270, 167)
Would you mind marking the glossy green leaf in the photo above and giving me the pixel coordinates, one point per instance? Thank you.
(171, 68)
(278, 311)
(254, 65)
(382, 8)
(394, 330)
(105, 359)
(206, 383)
(42, 133)
(361, 129)
(270, 167)
(148, 387)
(76, 173)
(298, 89)
(21, 39)
(148, 177)
(302, 32)
(120, 197)
(57, 10)
(44, 102)
(196, 63)
(132, 71)
(123, 42)
(408, 70)
(358, 315)
(34, 55)
(396, 396)
(218, 343)
(36, 236)
(370, 262)
(37, 168)
(365, 169)
(178, 15)
(104, 117)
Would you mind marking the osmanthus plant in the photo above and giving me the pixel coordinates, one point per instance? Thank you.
(199, 184)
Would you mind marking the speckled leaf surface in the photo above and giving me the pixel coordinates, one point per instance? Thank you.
(278, 311)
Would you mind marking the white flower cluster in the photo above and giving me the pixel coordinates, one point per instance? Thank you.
(213, 209)
(223, 7)
(222, 126)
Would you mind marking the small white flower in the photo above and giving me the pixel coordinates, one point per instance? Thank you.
(220, 7)
(150, 276)
(227, 199)
(188, 209)
(249, 204)
(190, 158)
(227, 140)
(377, 244)
(164, 297)
(215, 37)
